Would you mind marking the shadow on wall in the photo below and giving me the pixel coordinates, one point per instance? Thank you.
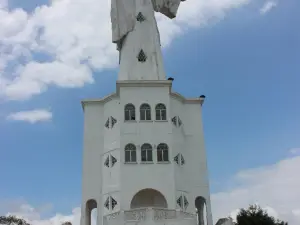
(148, 198)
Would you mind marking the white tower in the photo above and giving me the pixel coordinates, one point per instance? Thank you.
(144, 159)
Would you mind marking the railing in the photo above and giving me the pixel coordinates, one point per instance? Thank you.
(164, 214)
(155, 214)
(135, 215)
(112, 216)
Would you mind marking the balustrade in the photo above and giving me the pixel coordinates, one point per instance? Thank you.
(161, 214)
(135, 215)
(155, 214)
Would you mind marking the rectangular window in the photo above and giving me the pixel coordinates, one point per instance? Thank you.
(146, 156)
(157, 112)
(132, 115)
(143, 115)
(149, 155)
(159, 156)
(127, 115)
(166, 156)
(162, 156)
(133, 156)
(127, 156)
(148, 115)
(163, 115)
(130, 156)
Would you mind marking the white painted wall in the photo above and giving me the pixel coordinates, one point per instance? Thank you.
(137, 177)
(123, 181)
(92, 168)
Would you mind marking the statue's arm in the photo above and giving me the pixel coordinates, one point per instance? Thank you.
(122, 19)
(167, 7)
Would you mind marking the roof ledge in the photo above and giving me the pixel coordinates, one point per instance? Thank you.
(180, 97)
(98, 100)
(143, 83)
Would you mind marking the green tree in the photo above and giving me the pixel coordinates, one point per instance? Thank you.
(66, 223)
(255, 215)
(12, 220)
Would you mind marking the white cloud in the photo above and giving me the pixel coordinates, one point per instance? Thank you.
(275, 188)
(70, 33)
(32, 116)
(32, 215)
(3, 3)
(267, 7)
(35, 77)
(295, 151)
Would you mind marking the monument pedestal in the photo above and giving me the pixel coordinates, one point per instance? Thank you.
(151, 216)
(144, 160)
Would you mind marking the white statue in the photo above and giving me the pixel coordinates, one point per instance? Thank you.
(135, 32)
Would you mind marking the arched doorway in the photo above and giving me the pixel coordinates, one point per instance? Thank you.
(200, 204)
(148, 198)
(91, 211)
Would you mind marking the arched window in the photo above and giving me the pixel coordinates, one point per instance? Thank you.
(162, 153)
(146, 153)
(130, 153)
(201, 207)
(129, 112)
(90, 211)
(145, 112)
(161, 112)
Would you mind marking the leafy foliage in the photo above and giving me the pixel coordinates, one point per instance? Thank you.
(255, 215)
(66, 223)
(12, 220)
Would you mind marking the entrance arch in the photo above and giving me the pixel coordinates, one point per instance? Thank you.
(148, 198)
(200, 204)
(90, 208)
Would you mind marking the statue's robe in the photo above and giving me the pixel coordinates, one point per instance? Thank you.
(123, 16)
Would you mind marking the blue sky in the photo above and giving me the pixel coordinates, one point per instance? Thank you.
(247, 65)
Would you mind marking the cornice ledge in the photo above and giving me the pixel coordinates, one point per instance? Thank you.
(98, 100)
(143, 83)
(178, 96)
